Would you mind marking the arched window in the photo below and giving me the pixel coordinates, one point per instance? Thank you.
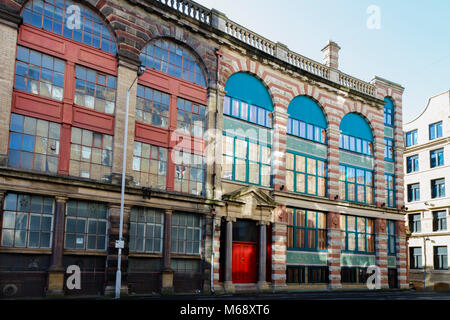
(248, 99)
(247, 158)
(71, 20)
(356, 134)
(306, 119)
(168, 57)
(388, 112)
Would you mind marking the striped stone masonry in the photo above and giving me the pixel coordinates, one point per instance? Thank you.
(334, 251)
(381, 256)
(279, 149)
(279, 239)
(402, 255)
(333, 162)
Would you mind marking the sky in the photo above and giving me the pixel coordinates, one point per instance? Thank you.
(406, 42)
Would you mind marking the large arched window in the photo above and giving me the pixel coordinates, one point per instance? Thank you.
(70, 20)
(166, 111)
(59, 40)
(356, 134)
(388, 112)
(248, 99)
(246, 158)
(168, 57)
(306, 119)
(356, 183)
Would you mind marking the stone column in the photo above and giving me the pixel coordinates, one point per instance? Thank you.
(228, 281)
(56, 270)
(279, 245)
(262, 283)
(334, 251)
(218, 146)
(216, 244)
(167, 272)
(280, 118)
(113, 232)
(126, 73)
(381, 255)
(402, 255)
(333, 162)
(8, 39)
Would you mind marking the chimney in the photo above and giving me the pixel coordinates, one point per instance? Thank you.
(331, 54)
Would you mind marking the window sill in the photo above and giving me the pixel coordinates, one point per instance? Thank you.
(144, 255)
(25, 250)
(185, 256)
(85, 252)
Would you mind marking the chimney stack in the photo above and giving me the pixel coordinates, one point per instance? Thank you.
(331, 54)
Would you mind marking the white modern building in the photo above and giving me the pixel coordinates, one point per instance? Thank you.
(427, 193)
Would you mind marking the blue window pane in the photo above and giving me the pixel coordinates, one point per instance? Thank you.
(36, 20)
(15, 141)
(302, 128)
(27, 160)
(35, 58)
(111, 82)
(16, 123)
(48, 24)
(59, 66)
(58, 79)
(23, 54)
(20, 83)
(21, 68)
(26, 16)
(14, 158)
(28, 143)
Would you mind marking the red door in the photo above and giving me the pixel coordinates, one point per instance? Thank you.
(244, 262)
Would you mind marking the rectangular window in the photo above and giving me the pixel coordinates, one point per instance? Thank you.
(389, 190)
(436, 158)
(150, 165)
(185, 265)
(411, 138)
(388, 116)
(348, 274)
(355, 144)
(33, 144)
(388, 149)
(438, 188)
(414, 223)
(356, 184)
(186, 233)
(435, 130)
(415, 257)
(412, 164)
(191, 117)
(95, 90)
(307, 229)
(305, 130)
(39, 73)
(244, 111)
(440, 258)
(90, 154)
(391, 237)
(246, 161)
(440, 220)
(189, 173)
(413, 192)
(146, 230)
(86, 225)
(152, 107)
(27, 221)
(295, 274)
(305, 174)
(357, 234)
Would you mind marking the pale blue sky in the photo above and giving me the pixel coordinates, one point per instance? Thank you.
(411, 48)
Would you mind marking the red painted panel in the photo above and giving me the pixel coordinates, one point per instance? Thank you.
(244, 262)
(38, 39)
(93, 120)
(97, 60)
(156, 80)
(35, 106)
(192, 93)
(152, 135)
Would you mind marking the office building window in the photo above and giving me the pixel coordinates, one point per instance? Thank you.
(435, 130)
(27, 221)
(146, 230)
(391, 230)
(411, 138)
(305, 174)
(191, 118)
(413, 192)
(415, 257)
(388, 149)
(248, 112)
(438, 188)
(150, 165)
(440, 220)
(440, 258)
(436, 158)
(414, 223)
(86, 225)
(412, 164)
(355, 184)
(189, 173)
(357, 234)
(39, 73)
(389, 190)
(307, 230)
(186, 233)
(33, 144)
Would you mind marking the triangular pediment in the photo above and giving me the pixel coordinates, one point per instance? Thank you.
(250, 194)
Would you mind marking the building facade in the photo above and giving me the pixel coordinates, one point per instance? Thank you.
(427, 174)
(248, 166)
